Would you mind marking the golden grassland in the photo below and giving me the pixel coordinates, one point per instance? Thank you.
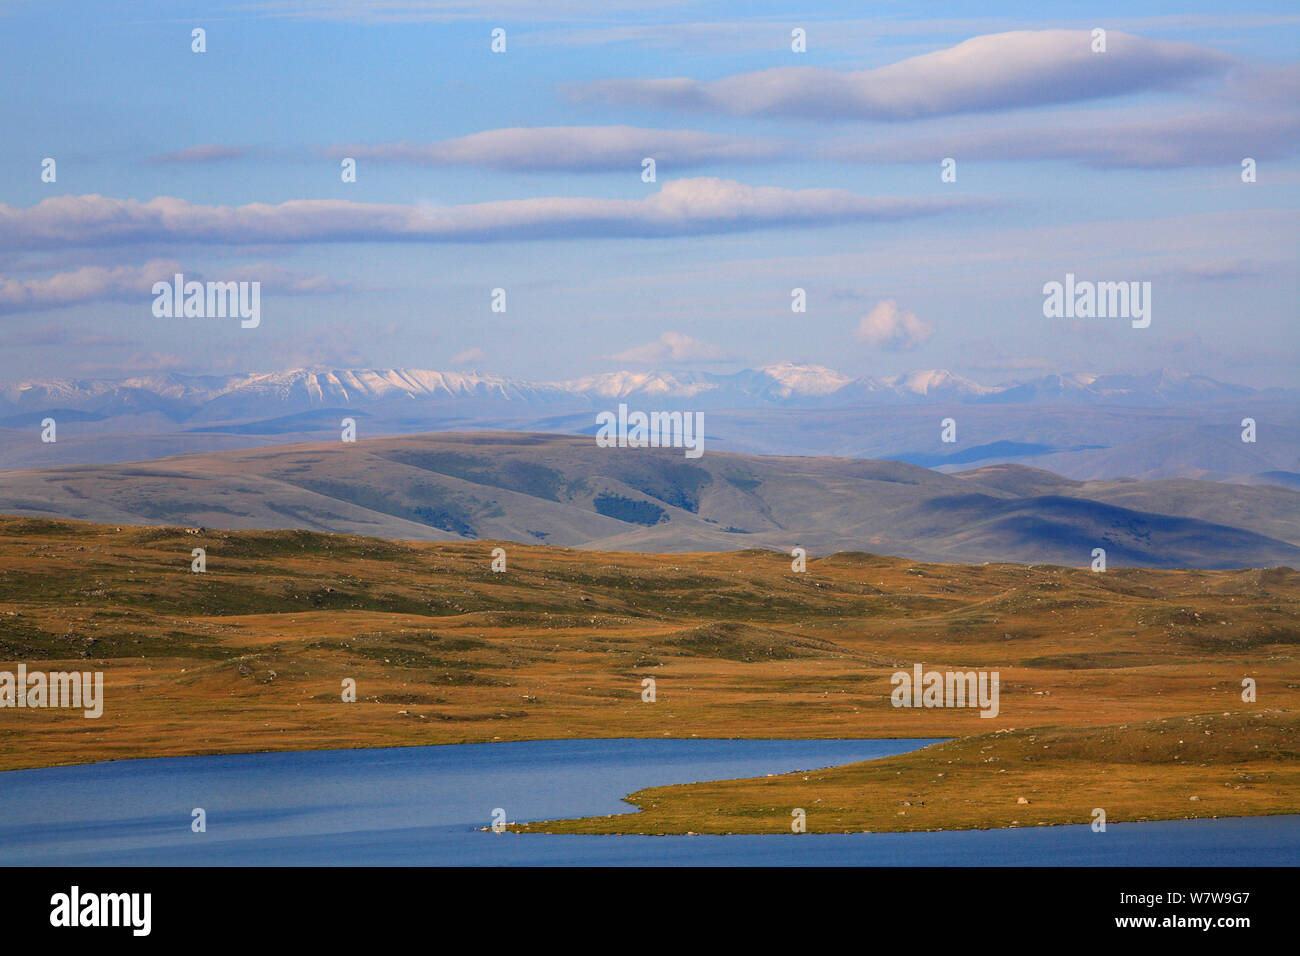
(1119, 690)
(1170, 768)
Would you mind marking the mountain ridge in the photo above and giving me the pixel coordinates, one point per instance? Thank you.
(565, 490)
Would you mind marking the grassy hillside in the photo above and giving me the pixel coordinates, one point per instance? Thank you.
(564, 490)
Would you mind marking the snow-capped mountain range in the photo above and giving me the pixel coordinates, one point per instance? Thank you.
(236, 397)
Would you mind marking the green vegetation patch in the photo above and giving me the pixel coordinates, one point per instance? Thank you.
(629, 509)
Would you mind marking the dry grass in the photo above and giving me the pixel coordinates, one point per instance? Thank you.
(251, 655)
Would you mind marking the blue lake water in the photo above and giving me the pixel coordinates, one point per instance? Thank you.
(424, 805)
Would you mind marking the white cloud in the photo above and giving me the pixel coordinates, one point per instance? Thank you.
(893, 329)
(681, 207)
(765, 35)
(468, 357)
(671, 347)
(995, 72)
(89, 283)
(572, 148)
(206, 153)
(102, 284)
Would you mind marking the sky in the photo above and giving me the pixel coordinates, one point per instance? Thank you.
(775, 169)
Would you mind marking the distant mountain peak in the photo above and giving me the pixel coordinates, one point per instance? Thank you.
(806, 379)
(936, 380)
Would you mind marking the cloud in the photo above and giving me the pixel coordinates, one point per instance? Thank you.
(1260, 85)
(87, 284)
(51, 335)
(773, 34)
(680, 208)
(276, 278)
(468, 357)
(139, 362)
(124, 283)
(671, 347)
(443, 11)
(201, 154)
(727, 37)
(1219, 269)
(1100, 140)
(995, 72)
(893, 329)
(573, 149)
(1001, 361)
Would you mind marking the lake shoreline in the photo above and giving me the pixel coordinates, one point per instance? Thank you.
(438, 805)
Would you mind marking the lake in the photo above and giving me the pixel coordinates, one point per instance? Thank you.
(424, 805)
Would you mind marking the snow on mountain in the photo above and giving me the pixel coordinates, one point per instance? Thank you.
(774, 382)
(292, 391)
(806, 379)
(938, 382)
(624, 384)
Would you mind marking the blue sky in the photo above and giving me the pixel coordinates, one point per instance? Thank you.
(522, 170)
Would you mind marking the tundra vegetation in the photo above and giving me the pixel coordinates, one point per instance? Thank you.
(1120, 690)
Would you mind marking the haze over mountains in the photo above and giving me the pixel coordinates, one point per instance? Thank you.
(565, 490)
(1160, 425)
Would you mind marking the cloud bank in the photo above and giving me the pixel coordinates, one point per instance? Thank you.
(682, 207)
(998, 71)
